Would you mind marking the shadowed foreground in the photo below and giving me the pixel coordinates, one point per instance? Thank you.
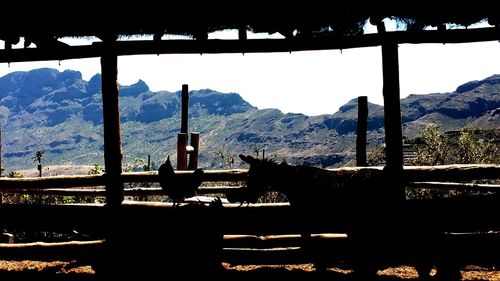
(58, 270)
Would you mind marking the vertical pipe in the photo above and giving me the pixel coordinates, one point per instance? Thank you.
(185, 106)
(111, 121)
(193, 155)
(361, 131)
(181, 151)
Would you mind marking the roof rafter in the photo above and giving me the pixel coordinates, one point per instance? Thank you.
(251, 45)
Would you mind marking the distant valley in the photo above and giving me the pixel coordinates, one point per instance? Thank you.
(61, 113)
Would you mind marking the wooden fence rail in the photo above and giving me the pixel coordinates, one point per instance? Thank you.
(455, 186)
(71, 250)
(448, 173)
(101, 180)
(100, 192)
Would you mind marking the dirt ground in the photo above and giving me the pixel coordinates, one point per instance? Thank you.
(59, 270)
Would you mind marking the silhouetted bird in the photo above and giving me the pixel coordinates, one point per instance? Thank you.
(176, 187)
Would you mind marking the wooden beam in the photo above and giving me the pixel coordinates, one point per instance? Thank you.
(208, 175)
(256, 219)
(251, 45)
(451, 173)
(392, 118)
(72, 250)
(51, 182)
(276, 241)
(392, 107)
(101, 192)
(113, 155)
(455, 186)
(362, 126)
(99, 180)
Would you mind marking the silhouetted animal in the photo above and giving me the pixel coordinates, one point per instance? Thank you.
(316, 194)
(304, 186)
(176, 187)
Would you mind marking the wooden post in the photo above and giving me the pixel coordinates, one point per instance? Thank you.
(111, 120)
(392, 115)
(181, 151)
(361, 131)
(1, 166)
(242, 32)
(184, 112)
(193, 156)
(148, 167)
(392, 107)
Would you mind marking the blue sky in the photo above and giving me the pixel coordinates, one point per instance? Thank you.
(310, 82)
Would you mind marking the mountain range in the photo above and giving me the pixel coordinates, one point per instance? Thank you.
(60, 113)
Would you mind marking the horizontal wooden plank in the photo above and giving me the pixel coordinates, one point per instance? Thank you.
(9, 184)
(412, 173)
(251, 45)
(459, 248)
(459, 215)
(101, 192)
(72, 250)
(451, 173)
(277, 241)
(455, 186)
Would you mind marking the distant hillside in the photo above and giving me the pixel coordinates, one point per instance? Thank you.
(475, 103)
(61, 113)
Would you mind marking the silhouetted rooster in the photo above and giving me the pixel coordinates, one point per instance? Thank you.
(176, 187)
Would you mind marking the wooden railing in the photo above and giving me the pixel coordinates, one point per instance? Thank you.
(245, 227)
(88, 184)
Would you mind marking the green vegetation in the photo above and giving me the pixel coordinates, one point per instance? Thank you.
(15, 174)
(376, 156)
(472, 146)
(96, 170)
(467, 146)
(226, 159)
(435, 147)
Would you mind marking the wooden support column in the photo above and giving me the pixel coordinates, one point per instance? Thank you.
(361, 131)
(113, 155)
(392, 106)
(392, 115)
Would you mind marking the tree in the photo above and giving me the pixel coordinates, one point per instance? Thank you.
(434, 149)
(476, 150)
(471, 147)
(376, 156)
